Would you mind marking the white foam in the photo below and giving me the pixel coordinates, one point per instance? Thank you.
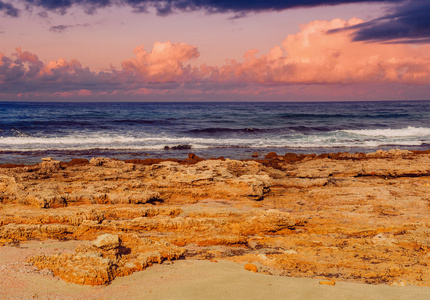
(404, 132)
(348, 138)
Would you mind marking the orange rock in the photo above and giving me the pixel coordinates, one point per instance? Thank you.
(251, 267)
(107, 241)
(328, 282)
(271, 155)
(316, 216)
(100, 263)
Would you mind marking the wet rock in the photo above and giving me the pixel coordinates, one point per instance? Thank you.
(291, 157)
(178, 147)
(271, 155)
(78, 162)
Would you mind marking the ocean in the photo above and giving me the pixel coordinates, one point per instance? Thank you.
(32, 130)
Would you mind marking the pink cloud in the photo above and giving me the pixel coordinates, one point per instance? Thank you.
(314, 56)
(311, 63)
(61, 66)
(164, 63)
(77, 93)
(26, 56)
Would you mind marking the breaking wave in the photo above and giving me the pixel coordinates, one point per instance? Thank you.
(403, 132)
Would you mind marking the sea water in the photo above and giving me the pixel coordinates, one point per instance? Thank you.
(31, 130)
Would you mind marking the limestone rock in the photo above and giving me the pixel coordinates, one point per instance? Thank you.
(49, 166)
(107, 241)
(8, 188)
(88, 268)
(29, 231)
(357, 217)
(270, 221)
(111, 163)
(389, 153)
(96, 264)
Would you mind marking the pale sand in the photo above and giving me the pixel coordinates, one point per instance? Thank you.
(182, 279)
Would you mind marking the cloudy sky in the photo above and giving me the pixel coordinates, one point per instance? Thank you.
(214, 50)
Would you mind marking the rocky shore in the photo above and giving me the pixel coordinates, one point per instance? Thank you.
(362, 218)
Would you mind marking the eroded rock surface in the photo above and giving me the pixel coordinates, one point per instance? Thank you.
(358, 217)
(107, 257)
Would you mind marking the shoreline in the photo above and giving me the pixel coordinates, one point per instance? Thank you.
(350, 218)
(180, 152)
(261, 157)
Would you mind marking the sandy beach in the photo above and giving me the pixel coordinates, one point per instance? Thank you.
(344, 226)
(182, 279)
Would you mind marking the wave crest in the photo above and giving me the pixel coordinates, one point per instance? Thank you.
(390, 133)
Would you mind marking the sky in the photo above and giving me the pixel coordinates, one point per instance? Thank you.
(214, 50)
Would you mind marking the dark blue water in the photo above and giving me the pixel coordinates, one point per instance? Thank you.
(29, 131)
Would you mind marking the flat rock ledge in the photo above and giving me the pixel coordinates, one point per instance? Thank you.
(337, 217)
(108, 257)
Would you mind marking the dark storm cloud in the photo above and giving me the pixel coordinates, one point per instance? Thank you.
(61, 6)
(406, 23)
(241, 7)
(167, 7)
(8, 9)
